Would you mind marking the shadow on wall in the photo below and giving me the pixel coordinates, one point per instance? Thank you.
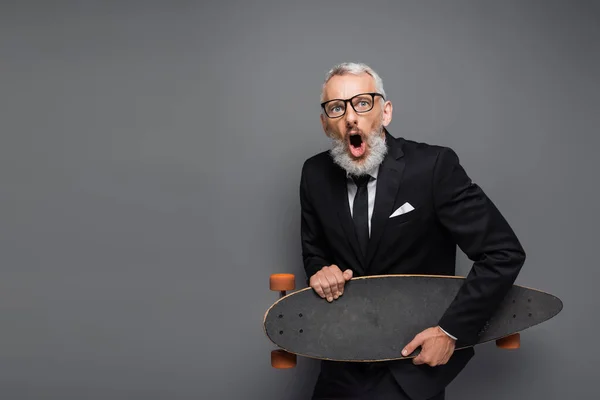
(501, 371)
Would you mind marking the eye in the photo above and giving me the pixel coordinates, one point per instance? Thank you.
(362, 103)
(335, 108)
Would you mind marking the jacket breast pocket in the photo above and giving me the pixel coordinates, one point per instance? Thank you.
(413, 215)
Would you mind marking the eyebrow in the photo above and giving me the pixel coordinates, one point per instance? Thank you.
(342, 98)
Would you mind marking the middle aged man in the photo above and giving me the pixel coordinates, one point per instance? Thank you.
(374, 204)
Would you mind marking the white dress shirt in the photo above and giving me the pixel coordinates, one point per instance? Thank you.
(371, 190)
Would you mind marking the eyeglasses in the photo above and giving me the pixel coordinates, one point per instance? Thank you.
(361, 103)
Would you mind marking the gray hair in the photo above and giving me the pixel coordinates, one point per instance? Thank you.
(354, 69)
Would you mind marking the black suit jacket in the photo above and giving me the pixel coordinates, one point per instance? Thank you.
(449, 210)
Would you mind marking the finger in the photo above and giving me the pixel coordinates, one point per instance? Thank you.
(348, 274)
(419, 360)
(334, 268)
(334, 275)
(424, 357)
(318, 288)
(340, 281)
(416, 342)
(326, 288)
(333, 282)
(446, 358)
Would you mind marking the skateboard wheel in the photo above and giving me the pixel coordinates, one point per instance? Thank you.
(281, 359)
(509, 342)
(282, 282)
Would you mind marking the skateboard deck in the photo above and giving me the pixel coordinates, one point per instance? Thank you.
(378, 315)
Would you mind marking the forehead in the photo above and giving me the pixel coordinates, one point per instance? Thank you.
(348, 85)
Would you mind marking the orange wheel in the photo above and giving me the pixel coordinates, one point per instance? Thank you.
(282, 359)
(510, 342)
(282, 282)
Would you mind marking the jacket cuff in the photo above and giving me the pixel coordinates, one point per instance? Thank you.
(443, 330)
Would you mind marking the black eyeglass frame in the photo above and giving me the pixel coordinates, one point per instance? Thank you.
(346, 101)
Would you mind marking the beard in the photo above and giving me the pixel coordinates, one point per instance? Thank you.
(376, 151)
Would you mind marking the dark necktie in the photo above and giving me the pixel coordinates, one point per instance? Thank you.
(360, 212)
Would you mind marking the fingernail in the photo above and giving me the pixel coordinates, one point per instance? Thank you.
(336, 297)
(404, 352)
(329, 299)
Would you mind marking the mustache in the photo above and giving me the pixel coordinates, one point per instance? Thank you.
(344, 134)
(354, 131)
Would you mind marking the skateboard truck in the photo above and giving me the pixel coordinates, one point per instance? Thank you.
(510, 342)
(282, 283)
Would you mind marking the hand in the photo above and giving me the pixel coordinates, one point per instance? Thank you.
(329, 282)
(436, 347)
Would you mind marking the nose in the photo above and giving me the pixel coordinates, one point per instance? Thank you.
(351, 117)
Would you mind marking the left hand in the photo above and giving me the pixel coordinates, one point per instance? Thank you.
(436, 347)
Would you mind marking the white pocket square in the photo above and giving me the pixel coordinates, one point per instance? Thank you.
(403, 209)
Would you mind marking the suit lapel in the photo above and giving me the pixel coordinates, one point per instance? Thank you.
(340, 196)
(389, 179)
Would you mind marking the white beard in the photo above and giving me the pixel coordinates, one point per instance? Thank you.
(377, 150)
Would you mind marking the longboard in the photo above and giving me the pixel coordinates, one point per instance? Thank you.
(378, 315)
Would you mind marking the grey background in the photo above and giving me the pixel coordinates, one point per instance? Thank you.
(150, 158)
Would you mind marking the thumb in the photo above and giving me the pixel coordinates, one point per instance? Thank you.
(348, 274)
(412, 346)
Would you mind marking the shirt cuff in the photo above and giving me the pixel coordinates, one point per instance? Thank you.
(448, 333)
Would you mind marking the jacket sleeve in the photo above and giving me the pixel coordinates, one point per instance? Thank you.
(314, 254)
(485, 237)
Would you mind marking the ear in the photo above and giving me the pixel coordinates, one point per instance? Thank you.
(387, 113)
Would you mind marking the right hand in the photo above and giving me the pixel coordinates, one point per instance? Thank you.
(329, 282)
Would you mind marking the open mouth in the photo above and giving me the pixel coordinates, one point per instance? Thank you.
(357, 145)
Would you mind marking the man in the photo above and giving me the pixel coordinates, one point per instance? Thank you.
(375, 205)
